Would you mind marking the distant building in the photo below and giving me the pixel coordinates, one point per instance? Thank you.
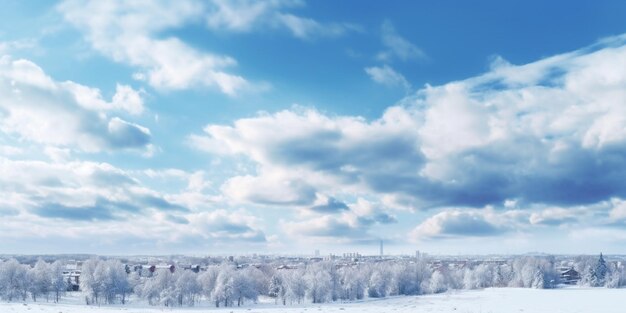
(71, 274)
(154, 268)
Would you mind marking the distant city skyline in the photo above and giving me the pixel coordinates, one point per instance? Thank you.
(292, 126)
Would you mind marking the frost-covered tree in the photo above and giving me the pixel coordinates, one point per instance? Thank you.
(58, 285)
(207, 281)
(455, 278)
(259, 280)
(223, 291)
(243, 287)
(100, 280)
(437, 283)
(296, 286)
(319, 284)
(148, 290)
(538, 282)
(187, 288)
(481, 276)
(39, 280)
(379, 283)
(13, 280)
(335, 280)
(410, 278)
(534, 272)
(353, 284)
(599, 272)
(502, 275)
(89, 285)
(165, 283)
(159, 288)
(276, 288)
(113, 281)
(615, 277)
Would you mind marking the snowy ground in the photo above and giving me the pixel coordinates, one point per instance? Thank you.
(505, 300)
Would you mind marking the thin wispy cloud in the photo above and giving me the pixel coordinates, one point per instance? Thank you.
(396, 46)
(387, 76)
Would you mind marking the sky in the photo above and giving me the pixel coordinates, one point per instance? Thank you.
(288, 126)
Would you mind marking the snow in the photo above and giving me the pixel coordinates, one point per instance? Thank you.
(494, 300)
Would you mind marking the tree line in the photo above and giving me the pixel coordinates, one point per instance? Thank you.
(109, 281)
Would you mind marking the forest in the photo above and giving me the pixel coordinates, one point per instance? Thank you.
(109, 281)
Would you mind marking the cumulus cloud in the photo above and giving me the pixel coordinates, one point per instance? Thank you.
(126, 135)
(548, 132)
(222, 224)
(464, 223)
(125, 98)
(56, 189)
(128, 99)
(331, 219)
(385, 75)
(268, 190)
(618, 210)
(555, 216)
(36, 108)
(329, 205)
(319, 149)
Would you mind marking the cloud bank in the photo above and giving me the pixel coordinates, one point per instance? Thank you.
(545, 133)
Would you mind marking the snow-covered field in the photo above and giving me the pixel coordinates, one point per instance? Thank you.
(504, 300)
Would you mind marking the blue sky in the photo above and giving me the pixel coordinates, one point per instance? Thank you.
(285, 126)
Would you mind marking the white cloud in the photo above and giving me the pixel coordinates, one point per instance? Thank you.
(315, 149)
(397, 46)
(197, 182)
(548, 132)
(132, 33)
(325, 228)
(226, 225)
(353, 223)
(125, 98)
(128, 32)
(65, 114)
(618, 211)
(58, 154)
(453, 223)
(240, 16)
(555, 216)
(269, 190)
(128, 99)
(77, 199)
(305, 28)
(387, 76)
(7, 150)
